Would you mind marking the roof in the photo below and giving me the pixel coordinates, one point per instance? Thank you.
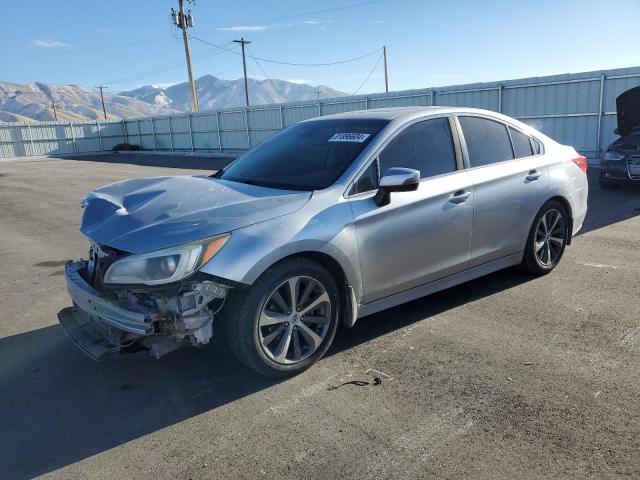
(379, 113)
(398, 112)
(404, 114)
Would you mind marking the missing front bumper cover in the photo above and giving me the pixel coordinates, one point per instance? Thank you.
(86, 333)
(156, 325)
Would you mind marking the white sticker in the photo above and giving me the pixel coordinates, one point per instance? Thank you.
(350, 137)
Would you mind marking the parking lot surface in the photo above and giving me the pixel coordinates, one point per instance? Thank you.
(508, 376)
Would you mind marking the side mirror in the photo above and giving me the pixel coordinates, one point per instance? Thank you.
(396, 179)
(616, 131)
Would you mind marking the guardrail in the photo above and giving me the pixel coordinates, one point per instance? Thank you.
(576, 109)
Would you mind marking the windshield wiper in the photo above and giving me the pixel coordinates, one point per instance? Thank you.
(277, 185)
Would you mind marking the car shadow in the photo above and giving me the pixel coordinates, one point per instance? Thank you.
(59, 407)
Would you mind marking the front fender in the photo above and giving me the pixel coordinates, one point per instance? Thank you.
(253, 249)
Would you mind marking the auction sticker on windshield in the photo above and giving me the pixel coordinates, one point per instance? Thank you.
(349, 137)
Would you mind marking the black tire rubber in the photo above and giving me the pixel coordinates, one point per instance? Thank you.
(244, 306)
(607, 184)
(530, 262)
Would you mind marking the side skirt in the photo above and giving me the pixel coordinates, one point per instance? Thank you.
(437, 285)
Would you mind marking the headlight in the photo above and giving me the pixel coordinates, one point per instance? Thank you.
(612, 157)
(164, 266)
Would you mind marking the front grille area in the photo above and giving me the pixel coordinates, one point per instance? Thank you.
(100, 264)
(633, 166)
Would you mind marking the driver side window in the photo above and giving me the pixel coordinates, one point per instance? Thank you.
(426, 146)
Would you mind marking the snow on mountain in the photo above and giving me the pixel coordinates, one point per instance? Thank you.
(73, 103)
(33, 101)
(215, 93)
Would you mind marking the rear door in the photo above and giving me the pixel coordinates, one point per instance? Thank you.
(510, 184)
(419, 236)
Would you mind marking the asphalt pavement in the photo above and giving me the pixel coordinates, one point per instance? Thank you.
(508, 376)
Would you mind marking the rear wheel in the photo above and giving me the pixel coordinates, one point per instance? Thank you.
(547, 239)
(286, 320)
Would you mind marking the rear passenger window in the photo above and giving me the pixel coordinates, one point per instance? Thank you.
(487, 141)
(521, 143)
(368, 181)
(426, 146)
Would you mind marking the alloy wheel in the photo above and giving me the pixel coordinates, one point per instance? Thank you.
(295, 320)
(550, 237)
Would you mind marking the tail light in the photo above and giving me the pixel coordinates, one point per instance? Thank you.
(581, 162)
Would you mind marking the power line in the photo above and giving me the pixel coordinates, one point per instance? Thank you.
(262, 69)
(269, 79)
(170, 37)
(238, 65)
(170, 66)
(93, 49)
(369, 76)
(279, 62)
(306, 14)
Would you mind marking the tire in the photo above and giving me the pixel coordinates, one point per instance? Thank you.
(538, 259)
(253, 334)
(607, 184)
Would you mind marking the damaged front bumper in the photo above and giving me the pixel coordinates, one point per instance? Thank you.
(129, 321)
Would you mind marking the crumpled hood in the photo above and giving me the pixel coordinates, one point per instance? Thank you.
(147, 214)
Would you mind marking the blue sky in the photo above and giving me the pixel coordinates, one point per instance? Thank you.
(125, 44)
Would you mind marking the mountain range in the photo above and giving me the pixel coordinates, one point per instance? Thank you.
(33, 102)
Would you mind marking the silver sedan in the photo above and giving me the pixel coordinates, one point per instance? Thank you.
(330, 220)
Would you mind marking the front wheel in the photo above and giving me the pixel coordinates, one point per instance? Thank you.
(547, 239)
(286, 320)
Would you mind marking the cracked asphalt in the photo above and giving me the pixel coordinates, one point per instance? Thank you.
(508, 376)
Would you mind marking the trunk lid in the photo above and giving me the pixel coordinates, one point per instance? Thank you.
(628, 110)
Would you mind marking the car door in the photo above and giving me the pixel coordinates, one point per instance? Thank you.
(510, 184)
(422, 235)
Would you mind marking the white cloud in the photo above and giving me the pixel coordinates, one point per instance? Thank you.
(262, 28)
(297, 80)
(316, 22)
(49, 44)
(244, 28)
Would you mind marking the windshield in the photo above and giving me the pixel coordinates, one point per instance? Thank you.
(306, 156)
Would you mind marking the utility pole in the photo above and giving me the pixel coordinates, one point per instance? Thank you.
(55, 113)
(185, 21)
(386, 75)
(244, 42)
(104, 110)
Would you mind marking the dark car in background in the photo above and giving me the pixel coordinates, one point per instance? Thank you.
(621, 162)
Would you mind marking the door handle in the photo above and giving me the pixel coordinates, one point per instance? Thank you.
(459, 197)
(533, 175)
